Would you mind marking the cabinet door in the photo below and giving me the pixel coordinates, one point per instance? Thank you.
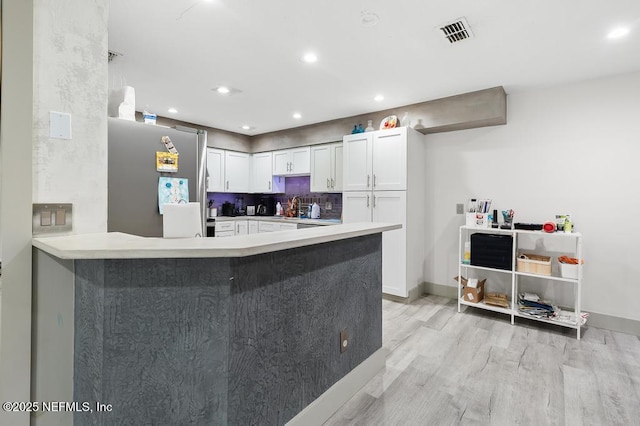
(268, 226)
(224, 233)
(390, 207)
(390, 160)
(242, 227)
(281, 163)
(253, 227)
(287, 226)
(261, 176)
(321, 168)
(356, 206)
(357, 162)
(301, 161)
(336, 164)
(236, 171)
(215, 170)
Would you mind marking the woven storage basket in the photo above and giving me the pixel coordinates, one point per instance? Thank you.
(534, 264)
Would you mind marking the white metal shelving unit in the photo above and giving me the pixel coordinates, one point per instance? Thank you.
(567, 318)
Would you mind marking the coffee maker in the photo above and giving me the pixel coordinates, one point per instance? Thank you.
(266, 207)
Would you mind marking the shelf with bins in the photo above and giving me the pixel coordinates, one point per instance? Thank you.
(570, 318)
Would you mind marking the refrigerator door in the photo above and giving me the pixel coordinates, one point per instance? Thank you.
(133, 179)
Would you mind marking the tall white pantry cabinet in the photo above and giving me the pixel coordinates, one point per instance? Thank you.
(384, 181)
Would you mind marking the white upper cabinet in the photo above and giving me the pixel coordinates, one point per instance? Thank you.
(215, 170)
(357, 162)
(320, 168)
(337, 166)
(390, 160)
(281, 162)
(292, 162)
(326, 168)
(236, 171)
(261, 172)
(376, 161)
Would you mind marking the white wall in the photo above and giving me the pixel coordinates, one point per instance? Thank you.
(70, 65)
(572, 149)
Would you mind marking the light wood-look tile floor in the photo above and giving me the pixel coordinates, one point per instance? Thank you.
(475, 368)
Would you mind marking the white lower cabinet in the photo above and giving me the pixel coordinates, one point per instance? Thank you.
(267, 226)
(229, 228)
(242, 227)
(287, 226)
(264, 226)
(225, 229)
(389, 207)
(253, 227)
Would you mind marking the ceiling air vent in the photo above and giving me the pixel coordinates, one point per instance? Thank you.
(456, 31)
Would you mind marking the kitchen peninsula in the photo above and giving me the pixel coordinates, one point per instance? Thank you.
(242, 330)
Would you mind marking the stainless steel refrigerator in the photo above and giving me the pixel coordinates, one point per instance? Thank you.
(133, 179)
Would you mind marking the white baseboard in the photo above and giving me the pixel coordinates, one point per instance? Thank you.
(337, 395)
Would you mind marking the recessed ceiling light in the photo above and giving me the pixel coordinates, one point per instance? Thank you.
(368, 18)
(223, 90)
(247, 127)
(618, 32)
(297, 115)
(310, 58)
(172, 110)
(379, 98)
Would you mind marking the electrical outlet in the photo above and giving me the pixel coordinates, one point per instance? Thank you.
(344, 340)
(459, 208)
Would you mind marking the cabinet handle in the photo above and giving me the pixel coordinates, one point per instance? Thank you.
(374, 180)
(374, 201)
(367, 201)
(269, 185)
(227, 184)
(368, 178)
(332, 184)
(328, 185)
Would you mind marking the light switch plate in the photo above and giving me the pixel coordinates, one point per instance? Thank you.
(59, 125)
(53, 218)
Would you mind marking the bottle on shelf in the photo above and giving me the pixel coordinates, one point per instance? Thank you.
(467, 253)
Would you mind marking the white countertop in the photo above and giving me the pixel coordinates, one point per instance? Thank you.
(116, 245)
(279, 219)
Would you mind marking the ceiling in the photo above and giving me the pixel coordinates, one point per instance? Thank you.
(174, 52)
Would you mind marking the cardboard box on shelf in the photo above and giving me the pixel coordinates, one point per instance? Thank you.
(472, 294)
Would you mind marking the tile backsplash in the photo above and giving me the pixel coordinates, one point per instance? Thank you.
(298, 186)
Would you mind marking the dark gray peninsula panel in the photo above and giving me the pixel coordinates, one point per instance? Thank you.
(222, 341)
